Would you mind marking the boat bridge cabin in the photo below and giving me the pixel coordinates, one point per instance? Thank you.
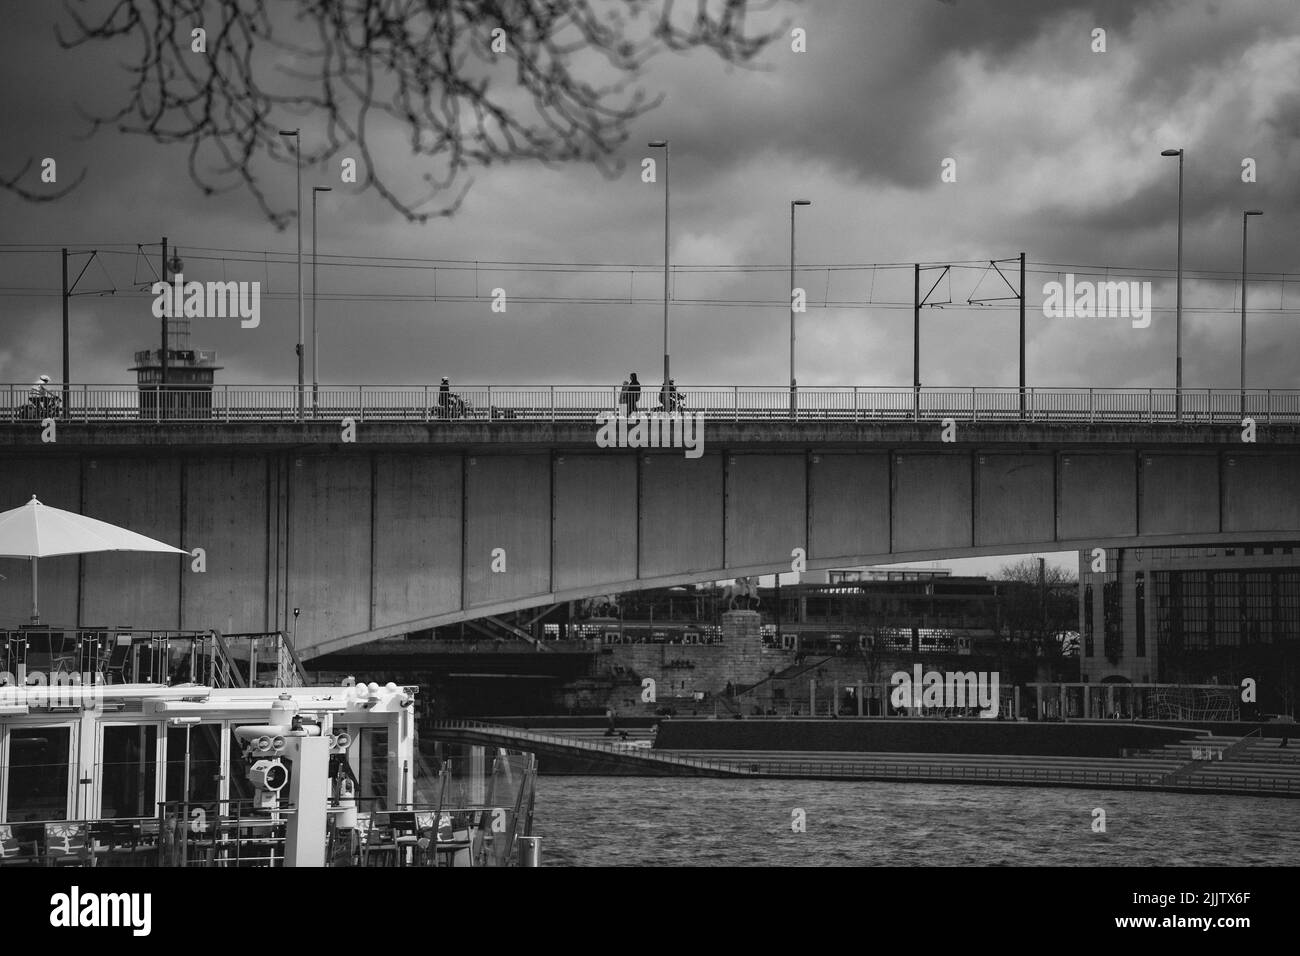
(97, 773)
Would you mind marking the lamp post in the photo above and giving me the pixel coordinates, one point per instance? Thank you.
(1178, 318)
(315, 342)
(793, 203)
(1245, 217)
(663, 144)
(297, 149)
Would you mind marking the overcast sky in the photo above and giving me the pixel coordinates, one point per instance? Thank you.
(1057, 155)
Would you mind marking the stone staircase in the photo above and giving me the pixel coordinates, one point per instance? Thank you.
(1249, 762)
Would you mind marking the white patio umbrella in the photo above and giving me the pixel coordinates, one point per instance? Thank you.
(37, 531)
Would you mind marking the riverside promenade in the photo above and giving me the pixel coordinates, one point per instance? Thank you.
(1078, 754)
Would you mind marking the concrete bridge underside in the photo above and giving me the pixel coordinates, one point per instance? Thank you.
(378, 539)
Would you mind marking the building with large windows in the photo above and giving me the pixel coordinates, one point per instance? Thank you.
(1195, 616)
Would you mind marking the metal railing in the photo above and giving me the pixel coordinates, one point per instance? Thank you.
(558, 740)
(263, 659)
(126, 655)
(109, 655)
(582, 403)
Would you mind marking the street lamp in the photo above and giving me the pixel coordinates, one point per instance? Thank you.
(297, 149)
(663, 144)
(793, 203)
(315, 343)
(1245, 217)
(1178, 319)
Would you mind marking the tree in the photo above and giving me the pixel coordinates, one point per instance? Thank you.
(1039, 606)
(434, 66)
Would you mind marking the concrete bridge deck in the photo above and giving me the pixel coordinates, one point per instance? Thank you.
(417, 524)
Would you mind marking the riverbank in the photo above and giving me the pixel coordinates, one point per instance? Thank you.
(1238, 759)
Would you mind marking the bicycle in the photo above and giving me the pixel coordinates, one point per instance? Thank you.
(451, 405)
(40, 407)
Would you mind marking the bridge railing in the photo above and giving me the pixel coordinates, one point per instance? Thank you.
(521, 736)
(582, 403)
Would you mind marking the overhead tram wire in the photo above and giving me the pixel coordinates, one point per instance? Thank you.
(262, 259)
(523, 265)
(258, 255)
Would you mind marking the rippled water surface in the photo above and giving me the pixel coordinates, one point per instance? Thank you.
(633, 821)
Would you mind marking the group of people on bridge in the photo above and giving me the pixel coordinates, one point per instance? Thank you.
(451, 405)
(629, 396)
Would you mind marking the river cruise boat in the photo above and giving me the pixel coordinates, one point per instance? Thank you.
(151, 748)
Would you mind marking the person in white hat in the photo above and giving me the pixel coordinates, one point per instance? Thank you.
(41, 397)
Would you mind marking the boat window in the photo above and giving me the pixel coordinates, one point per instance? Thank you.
(129, 771)
(241, 789)
(205, 763)
(372, 774)
(38, 773)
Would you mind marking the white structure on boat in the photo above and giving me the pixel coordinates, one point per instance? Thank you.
(111, 774)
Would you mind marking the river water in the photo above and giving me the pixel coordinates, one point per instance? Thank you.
(683, 821)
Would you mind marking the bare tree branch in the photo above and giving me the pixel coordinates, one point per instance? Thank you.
(471, 82)
(14, 185)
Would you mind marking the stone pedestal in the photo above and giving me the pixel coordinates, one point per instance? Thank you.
(742, 636)
(739, 627)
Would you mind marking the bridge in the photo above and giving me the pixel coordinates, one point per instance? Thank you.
(380, 510)
(126, 404)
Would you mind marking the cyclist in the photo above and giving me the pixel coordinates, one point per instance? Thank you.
(450, 405)
(39, 390)
(41, 397)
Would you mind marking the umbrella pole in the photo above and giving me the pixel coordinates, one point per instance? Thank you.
(36, 613)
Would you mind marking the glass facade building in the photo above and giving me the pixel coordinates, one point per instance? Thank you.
(1195, 616)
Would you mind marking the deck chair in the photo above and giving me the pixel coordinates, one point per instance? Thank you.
(68, 844)
(444, 842)
(119, 657)
(114, 842)
(406, 833)
(90, 649)
(380, 845)
(15, 852)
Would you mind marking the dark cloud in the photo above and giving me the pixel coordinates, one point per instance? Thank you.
(1058, 152)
